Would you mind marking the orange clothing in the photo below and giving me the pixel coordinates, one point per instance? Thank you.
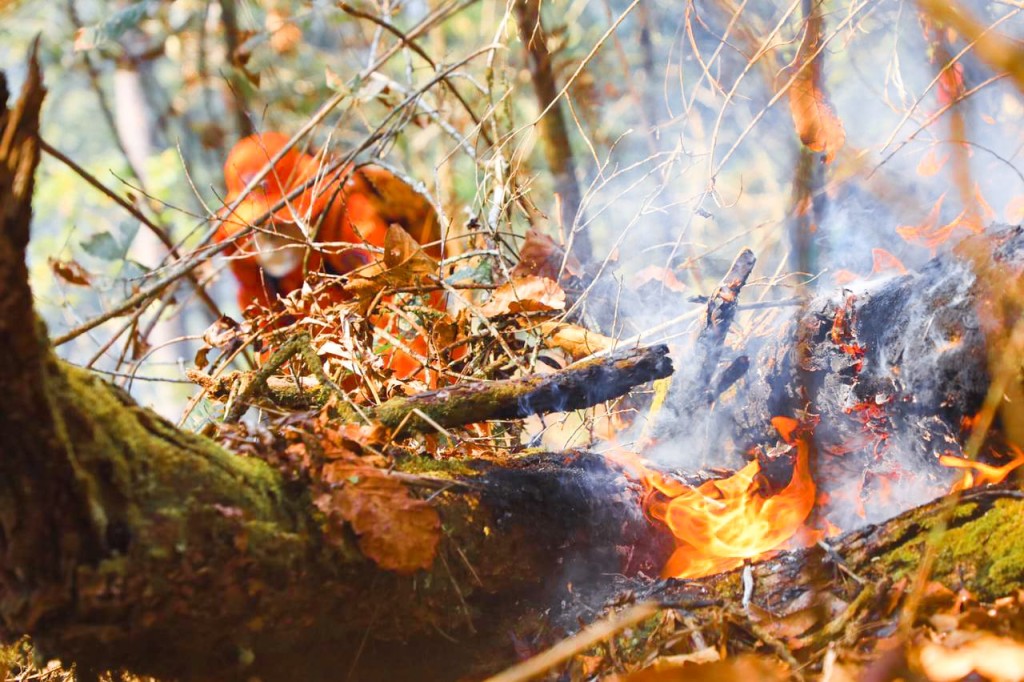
(337, 217)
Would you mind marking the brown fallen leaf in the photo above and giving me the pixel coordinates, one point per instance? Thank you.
(398, 531)
(540, 255)
(223, 333)
(70, 271)
(405, 263)
(525, 294)
(577, 341)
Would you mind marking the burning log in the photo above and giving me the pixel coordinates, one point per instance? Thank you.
(891, 385)
(803, 606)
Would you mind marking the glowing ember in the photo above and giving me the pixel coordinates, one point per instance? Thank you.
(720, 523)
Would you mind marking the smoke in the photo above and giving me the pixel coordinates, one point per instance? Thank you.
(694, 156)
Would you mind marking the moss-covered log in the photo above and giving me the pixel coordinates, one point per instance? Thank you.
(128, 544)
(800, 603)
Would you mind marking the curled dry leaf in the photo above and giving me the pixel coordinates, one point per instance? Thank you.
(574, 340)
(70, 271)
(405, 263)
(398, 531)
(541, 256)
(525, 294)
(224, 332)
(816, 121)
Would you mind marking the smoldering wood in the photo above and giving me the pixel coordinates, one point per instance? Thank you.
(854, 586)
(891, 371)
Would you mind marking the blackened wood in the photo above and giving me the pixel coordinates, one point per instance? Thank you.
(576, 387)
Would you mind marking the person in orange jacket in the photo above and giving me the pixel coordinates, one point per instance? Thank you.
(322, 229)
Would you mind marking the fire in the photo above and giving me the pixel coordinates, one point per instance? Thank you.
(720, 523)
(979, 473)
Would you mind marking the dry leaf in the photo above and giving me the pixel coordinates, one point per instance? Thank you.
(70, 271)
(816, 122)
(541, 256)
(657, 273)
(404, 254)
(573, 339)
(994, 658)
(405, 263)
(526, 294)
(396, 201)
(224, 332)
(398, 531)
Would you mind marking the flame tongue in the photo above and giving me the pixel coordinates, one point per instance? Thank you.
(720, 523)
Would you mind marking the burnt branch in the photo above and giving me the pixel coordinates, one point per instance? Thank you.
(577, 387)
(705, 380)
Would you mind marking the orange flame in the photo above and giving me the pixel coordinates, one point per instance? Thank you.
(720, 523)
(979, 473)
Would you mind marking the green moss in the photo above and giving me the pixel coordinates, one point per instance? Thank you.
(444, 468)
(984, 553)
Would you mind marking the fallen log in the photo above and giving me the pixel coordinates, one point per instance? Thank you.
(800, 604)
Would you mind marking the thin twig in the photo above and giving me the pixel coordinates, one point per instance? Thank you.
(590, 636)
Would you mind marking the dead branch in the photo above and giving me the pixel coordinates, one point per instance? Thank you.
(576, 387)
